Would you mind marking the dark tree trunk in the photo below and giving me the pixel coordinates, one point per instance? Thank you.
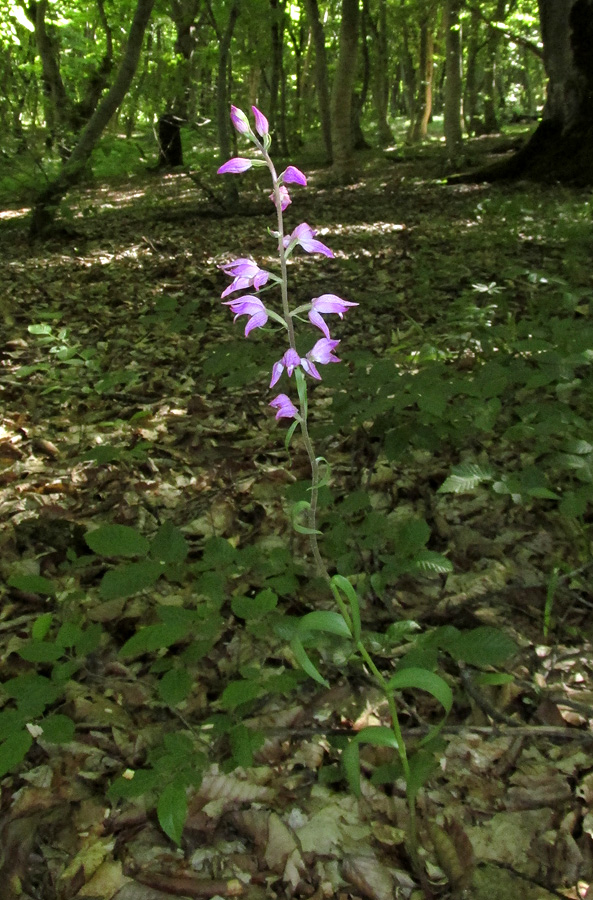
(561, 148)
(170, 149)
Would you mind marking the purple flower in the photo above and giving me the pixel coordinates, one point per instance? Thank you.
(284, 197)
(305, 236)
(285, 406)
(323, 352)
(240, 121)
(289, 361)
(327, 303)
(245, 273)
(294, 175)
(249, 306)
(261, 123)
(235, 166)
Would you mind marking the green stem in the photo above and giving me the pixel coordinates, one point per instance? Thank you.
(320, 565)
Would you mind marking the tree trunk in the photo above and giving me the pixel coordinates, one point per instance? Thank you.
(380, 89)
(426, 68)
(343, 87)
(491, 125)
(470, 99)
(321, 74)
(359, 142)
(561, 148)
(46, 204)
(223, 105)
(409, 80)
(453, 85)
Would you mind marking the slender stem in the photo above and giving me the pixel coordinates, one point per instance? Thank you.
(320, 564)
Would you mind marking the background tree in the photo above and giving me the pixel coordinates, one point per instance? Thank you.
(342, 90)
(45, 205)
(453, 81)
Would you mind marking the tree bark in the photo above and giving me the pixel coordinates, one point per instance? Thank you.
(561, 148)
(343, 87)
(46, 204)
(491, 125)
(426, 69)
(380, 79)
(321, 74)
(453, 84)
(470, 99)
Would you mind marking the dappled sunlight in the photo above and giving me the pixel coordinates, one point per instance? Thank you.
(15, 213)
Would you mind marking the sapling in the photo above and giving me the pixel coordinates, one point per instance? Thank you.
(248, 276)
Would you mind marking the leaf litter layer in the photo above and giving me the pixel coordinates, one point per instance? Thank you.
(460, 439)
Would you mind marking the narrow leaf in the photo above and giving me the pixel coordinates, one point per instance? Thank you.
(300, 654)
(172, 811)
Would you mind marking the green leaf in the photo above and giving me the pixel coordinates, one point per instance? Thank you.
(411, 537)
(482, 646)
(340, 583)
(296, 510)
(33, 584)
(117, 540)
(174, 686)
(40, 652)
(142, 782)
(68, 634)
(58, 729)
(32, 692)
(169, 544)
(172, 811)
(423, 680)
(126, 580)
(241, 746)
(13, 751)
(41, 626)
(422, 765)
(325, 620)
(465, 478)
(254, 607)
(430, 561)
(290, 432)
(238, 692)
(89, 640)
(302, 658)
(377, 735)
(154, 637)
(351, 765)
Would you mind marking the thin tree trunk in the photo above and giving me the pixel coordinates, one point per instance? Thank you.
(470, 99)
(490, 112)
(341, 106)
(380, 89)
(409, 80)
(453, 84)
(222, 92)
(321, 74)
(46, 204)
(426, 69)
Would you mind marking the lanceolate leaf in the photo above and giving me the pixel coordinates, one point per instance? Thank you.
(172, 811)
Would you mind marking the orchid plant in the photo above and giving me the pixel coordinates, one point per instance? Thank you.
(248, 276)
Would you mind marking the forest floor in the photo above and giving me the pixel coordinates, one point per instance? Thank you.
(463, 403)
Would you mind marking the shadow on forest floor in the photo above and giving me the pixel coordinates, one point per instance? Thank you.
(463, 403)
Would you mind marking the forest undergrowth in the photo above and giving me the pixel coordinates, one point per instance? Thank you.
(158, 738)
